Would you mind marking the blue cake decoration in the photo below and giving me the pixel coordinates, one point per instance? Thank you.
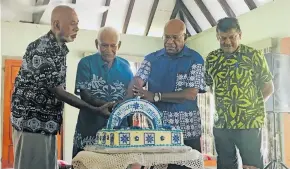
(132, 106)
(155, 135)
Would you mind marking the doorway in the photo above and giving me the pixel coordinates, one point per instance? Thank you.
(10, 72)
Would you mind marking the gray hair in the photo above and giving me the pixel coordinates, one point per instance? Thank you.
(110, 29)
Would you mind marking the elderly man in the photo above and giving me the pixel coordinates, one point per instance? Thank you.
(39, 93)
(175, 77)
(241, 81)
(101, 78)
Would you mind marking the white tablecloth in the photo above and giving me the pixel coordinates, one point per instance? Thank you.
(93, 160)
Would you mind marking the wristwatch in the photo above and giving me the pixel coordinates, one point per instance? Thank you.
(157, 97)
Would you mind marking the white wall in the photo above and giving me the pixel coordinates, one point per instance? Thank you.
(268, 21)
(16, 37)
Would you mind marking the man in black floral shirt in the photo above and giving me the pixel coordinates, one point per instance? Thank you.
(39, 94)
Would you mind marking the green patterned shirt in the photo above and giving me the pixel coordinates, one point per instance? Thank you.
(237, 81)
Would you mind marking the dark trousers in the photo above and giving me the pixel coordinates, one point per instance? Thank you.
(194, 144)
(248, 141)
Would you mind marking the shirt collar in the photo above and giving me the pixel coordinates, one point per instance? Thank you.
(184, 52)
(116, 63)
(62, 47)
(241, 49)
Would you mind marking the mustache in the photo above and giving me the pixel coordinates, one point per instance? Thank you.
(226, 45)
(108, 54)
(170, 46)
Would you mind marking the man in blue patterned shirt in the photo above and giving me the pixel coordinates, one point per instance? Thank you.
(102, 77)
(175, 77)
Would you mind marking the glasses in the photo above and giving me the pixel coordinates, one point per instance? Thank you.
(173, 37)
(231, 37)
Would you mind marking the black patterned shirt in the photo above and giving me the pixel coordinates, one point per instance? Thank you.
(237, 81)
(34, 108)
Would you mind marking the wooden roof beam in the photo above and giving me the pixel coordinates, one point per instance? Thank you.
(189, 17)
(206, 12)
(228, 10)
(36, 17)
(251, 4)
(151, 17)
(105, 14)
(182, 18)
(175, 10)
(128, 16)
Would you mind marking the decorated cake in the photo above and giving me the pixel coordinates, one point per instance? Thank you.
(157, 135)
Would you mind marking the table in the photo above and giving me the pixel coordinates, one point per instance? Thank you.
(94, 160)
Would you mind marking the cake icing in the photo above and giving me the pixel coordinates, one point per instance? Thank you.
(114, 136)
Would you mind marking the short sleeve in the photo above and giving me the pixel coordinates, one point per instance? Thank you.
(46, 71)
(130, 73)
(128, 70)
(196, 74)
(207, 77)
(144, 70)
(262, 71)
(83, 80)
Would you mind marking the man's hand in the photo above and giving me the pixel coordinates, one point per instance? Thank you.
(144, 94)
(113, 106)
(104, 110)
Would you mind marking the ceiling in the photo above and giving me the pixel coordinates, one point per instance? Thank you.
(137, 17)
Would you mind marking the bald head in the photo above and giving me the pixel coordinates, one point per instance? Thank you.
(61, 12)
(64, 23)
(175, 26)
(108, 33)
(174, 36)
(108, 43)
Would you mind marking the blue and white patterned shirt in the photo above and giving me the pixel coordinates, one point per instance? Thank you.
(165, 74)
(107, 84)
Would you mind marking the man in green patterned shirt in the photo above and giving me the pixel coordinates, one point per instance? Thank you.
(241, 82)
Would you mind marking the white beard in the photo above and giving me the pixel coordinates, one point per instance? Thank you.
(68, 39)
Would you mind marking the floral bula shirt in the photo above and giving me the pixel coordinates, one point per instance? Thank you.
(237, 81)
(104, 83)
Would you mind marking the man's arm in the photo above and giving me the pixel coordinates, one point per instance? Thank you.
(136, 89)
(74, 101)
(140, 78)
(180, 96)
(50, 77)
(263, 76)
(268, 90)
(87, 97)
(194, 83)
(207, 77)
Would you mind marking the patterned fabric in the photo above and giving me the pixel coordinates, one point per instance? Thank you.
(237, 81)
(104, 84)
(34, 108)
(144, 70)
(188, 122)
(166, 74)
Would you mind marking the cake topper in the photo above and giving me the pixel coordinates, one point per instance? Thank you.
(131, 107)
